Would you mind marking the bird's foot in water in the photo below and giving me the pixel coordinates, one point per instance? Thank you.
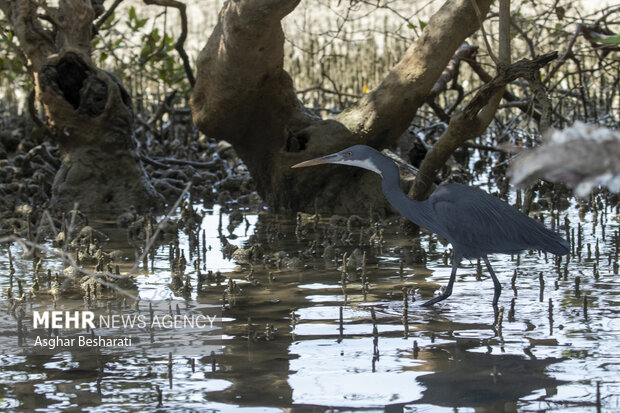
(435, 300)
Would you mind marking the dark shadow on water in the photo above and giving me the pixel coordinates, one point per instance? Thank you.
(473, 379)
(486, 382)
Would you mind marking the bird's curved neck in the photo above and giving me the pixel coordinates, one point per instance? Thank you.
(419, 212)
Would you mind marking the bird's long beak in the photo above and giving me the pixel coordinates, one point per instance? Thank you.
(333, 158)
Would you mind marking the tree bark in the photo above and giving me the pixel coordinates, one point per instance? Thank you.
(88, 110)
(244, 95)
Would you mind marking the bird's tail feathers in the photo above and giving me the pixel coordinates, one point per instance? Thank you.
(554, 243)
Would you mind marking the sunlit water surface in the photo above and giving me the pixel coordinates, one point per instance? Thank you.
(322, 350)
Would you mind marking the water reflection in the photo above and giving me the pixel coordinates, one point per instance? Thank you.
(296, 336)
(494, 381)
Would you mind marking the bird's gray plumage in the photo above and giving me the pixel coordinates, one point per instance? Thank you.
(481, 224)
(474, 222)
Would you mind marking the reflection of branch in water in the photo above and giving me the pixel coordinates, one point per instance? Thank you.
(67, 258)
(151, 240)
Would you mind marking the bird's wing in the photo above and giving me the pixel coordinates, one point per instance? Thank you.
(477, 223)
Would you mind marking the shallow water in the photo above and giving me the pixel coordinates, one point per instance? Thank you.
(325, 350)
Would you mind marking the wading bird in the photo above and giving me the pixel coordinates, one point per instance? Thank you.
(474, 222)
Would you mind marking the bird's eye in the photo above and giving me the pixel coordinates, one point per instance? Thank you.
(349, 153)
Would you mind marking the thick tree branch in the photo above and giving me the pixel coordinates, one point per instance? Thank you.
(521, 104)
(76, 17)
(373, 120)
(474, 119)
(521, 69)
(244, 95)
(36, 42)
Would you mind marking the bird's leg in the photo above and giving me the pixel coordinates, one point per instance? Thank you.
(496, 284)
(448, 291)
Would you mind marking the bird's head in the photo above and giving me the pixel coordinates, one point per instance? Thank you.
(361, 156)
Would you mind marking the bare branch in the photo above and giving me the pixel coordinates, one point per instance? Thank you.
(180, 45)
(107, 14)
(151, 241)
(324, 90)
(465, 51)
(526, 38)
(565, 55)
(484, 33)
(515, 101)
(522, 68)
(473, 120)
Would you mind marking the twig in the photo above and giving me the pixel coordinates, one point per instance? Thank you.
(334, 84)
(525, 37)
(474, 119)
(106, 15)
(48, 216)
(486, 147)
(441, 114)
(148, 126)
(322, 89)
(565, 55)
(163, 107)
(149, 242)
(582, 87)
(166, 162)
(545, 103)
(508, 96)
(179, 46)
(484, 33)
(606, 15)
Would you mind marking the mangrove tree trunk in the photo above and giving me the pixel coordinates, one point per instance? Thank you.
(244, 95)
(88, 111)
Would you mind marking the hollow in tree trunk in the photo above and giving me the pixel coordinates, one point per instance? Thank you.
(89, 112)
